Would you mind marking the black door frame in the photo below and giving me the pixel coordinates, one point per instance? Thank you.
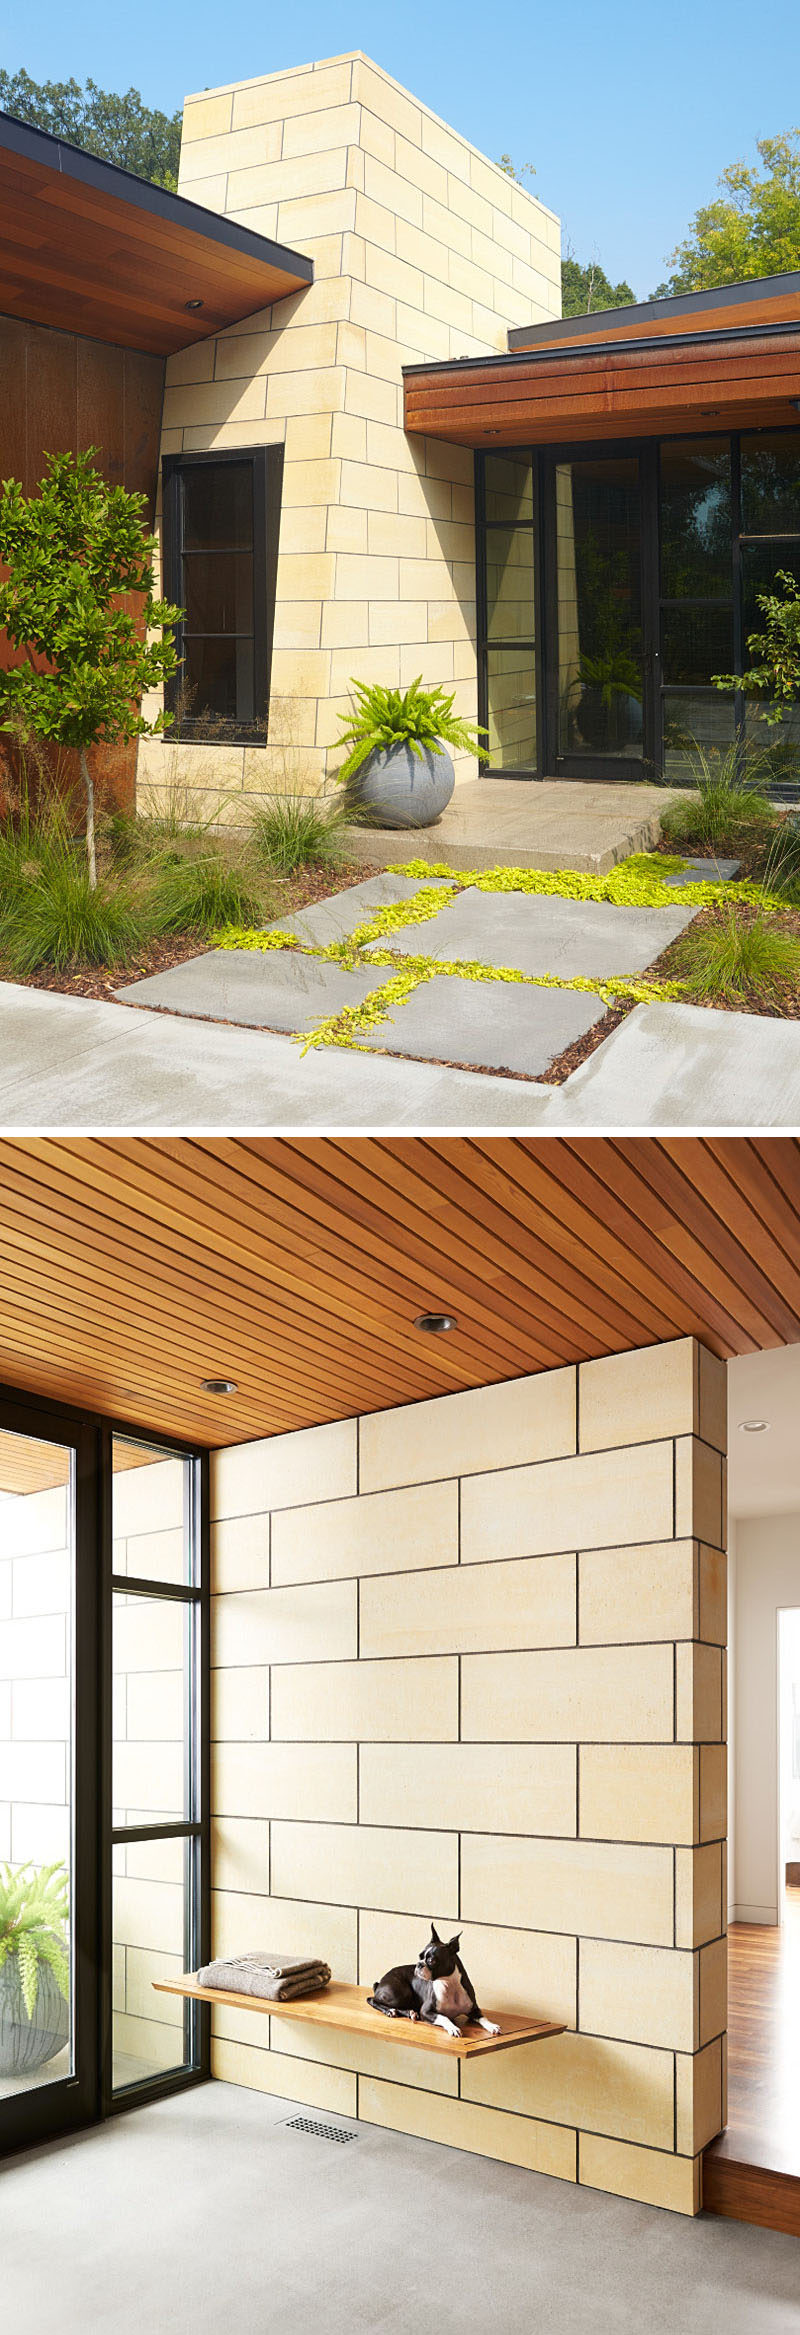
(606, 767)
(49, 2111)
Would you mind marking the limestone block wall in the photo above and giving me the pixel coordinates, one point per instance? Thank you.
(422, 249)
(468, 1664)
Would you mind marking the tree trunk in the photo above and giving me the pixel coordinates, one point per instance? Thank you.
(88, 786)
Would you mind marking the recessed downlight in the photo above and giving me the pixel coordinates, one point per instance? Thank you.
(753, 1426)
(193, 304)
(219, 1386)
(436, 1324)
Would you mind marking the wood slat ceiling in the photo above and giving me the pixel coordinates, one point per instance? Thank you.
(744, 380)
(132, 1269)
(87, 248)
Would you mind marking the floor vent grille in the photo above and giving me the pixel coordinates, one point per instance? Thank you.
(321, 2131)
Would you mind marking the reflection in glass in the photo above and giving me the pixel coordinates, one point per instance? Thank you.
(150, 1940)
(774, 746)
(512, 709)
(703, 717)
(760, 565)
(218, 593)
(218, 674)
(697, 642)
(509, 487)
(771, 483)
(598, 534)
(509, 583)
(696, 519)
(37, 1566)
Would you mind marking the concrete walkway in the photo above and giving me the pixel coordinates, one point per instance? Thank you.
(528, 823)
(70, 1063)
(205, 2213)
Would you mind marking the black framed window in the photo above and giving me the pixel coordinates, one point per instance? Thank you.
(672, 582)
(104, 1751)
(221, 519)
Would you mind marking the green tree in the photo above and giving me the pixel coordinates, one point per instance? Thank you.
(76, 551)
(751, 229)
(118, 129)
(585, 289)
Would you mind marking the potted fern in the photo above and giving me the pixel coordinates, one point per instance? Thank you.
(34, 1967)
(398, 771)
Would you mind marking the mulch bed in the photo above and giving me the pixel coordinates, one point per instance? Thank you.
(101, 981)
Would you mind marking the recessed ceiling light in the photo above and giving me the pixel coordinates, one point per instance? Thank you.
(753, 1426)
(436, 1324)
(219, 1386)
(192, 304)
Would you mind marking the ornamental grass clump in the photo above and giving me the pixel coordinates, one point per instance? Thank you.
(197, 895)
(292, 831)
(724, 810)
(422, 719)
(743, 959)
(34, 1907)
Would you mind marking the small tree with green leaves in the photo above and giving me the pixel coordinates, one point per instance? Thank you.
(33, 1914)
(77, 552)
(774, 674)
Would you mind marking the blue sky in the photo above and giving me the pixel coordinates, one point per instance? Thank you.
(628, 111)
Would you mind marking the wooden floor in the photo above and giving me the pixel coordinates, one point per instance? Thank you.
(753, 2171)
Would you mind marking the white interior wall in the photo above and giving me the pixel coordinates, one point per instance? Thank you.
(767, 1577)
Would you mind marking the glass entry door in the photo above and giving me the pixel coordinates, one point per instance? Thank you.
(596, 676)
(48, 2049)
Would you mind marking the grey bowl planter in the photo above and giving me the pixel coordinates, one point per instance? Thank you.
(395, 788)
(26, 2044)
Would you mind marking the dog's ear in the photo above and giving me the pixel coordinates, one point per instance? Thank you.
(436, 1940)
(455, 1942)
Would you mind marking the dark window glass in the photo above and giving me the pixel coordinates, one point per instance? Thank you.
(511, 713)
(598, 530)
(697, 642)
(760, 564)
(696, 519)
(704, 717)
(509, 487)
(771, 483)
(218, 591)
(509, 583)
(218, 678)
(218, 506)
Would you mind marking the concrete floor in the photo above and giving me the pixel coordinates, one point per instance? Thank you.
(204, 2213)
(529, 823)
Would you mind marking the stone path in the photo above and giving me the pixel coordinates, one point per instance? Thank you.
(448, 1019)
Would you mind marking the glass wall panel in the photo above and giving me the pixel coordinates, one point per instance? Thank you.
(156, 1780)
(509, 583)
(38, 2044)
(696, 642)
(702, 717)
(512, 709)
(771, 483)
(598, 536)
(152, 1884)
(508, 482)
(760, 564)
(696, 519)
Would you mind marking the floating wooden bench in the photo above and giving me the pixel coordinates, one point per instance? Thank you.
(347, 2007)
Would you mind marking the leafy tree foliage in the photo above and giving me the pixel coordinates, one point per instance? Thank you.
(118, 129)
(751, 229)
(585, 289)
(76, 551)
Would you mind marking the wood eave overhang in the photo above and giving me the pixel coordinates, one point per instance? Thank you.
(742, 376)
(88, 248)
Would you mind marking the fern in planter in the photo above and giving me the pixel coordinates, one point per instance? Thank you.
(34, 1967)
(391, 731)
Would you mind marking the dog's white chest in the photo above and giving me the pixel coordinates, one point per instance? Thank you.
(451, 1998)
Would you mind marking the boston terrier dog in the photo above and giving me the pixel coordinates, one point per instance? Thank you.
(435, 1989)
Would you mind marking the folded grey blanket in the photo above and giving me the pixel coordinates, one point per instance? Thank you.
(275, 1977)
